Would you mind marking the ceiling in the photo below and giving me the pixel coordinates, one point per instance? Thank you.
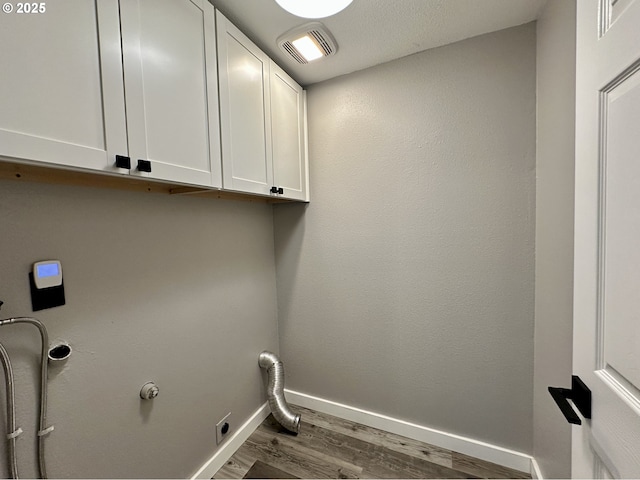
(370, 32)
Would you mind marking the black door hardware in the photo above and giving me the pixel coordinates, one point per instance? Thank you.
(581, 396)
(123, 162)
(280, 190)
(277, 190)
(144, 165)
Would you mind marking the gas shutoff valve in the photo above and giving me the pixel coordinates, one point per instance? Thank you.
(149, 391)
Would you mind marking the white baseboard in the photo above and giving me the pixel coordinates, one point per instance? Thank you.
(535, 470)
(226, 451)
(468, 446)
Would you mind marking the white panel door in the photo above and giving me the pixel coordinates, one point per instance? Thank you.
(61, 92)
(607, 236)
(171, 89)
(244, 111)
(288, 135)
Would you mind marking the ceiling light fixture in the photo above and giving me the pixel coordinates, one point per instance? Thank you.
(308, 42)
(314, 8)
(307, 48)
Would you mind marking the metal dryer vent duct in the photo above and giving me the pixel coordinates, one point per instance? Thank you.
(318, 34)
(275, 392)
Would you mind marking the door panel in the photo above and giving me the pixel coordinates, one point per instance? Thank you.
(169, 56)
(287, 126)
(62, 96)
(246, 96)
(607, 229)
(620, 232)
(612, 10)
(244, 111)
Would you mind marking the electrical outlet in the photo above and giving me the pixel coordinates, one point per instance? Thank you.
(223, 427)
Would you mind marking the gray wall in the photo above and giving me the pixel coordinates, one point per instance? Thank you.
(406, 286)
(554, 233)
(172, 289)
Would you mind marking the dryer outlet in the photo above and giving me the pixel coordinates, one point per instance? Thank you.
(223, 427)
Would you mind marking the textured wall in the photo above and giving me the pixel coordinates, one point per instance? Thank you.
(406, 286)
(554, 232)
(176, 290)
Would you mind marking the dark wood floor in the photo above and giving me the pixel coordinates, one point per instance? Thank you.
(330, 447)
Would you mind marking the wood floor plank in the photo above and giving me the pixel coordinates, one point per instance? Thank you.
(375, 436)
(262, 470)
(297, 459)
(375, 461)
(238, 465)
(330, 447)
(483, 469)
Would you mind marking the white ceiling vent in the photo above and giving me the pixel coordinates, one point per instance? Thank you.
(308, 42)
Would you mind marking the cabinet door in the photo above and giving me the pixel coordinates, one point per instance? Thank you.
(288, 135)
(61, 92)
(244, 111)
(171, 89)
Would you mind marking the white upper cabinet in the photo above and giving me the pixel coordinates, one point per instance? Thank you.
(262, 112)
(64, 99)
(171, 90)
(61, 91)
(288, 135)
(244, 111)
(131, 87)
